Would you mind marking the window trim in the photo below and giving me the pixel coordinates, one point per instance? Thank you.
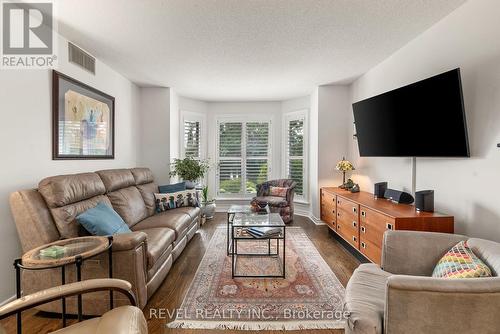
(193, 117)
(244, 120)
(287, 117)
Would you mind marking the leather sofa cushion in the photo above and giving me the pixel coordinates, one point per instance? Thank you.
(193, 212)
(159, 239)
(173, 219)
(58, 191)
(129, 204)
(115, 179)
(365, 299)
(142, 175)
(272, 200)
(147, 191)
(65, 217)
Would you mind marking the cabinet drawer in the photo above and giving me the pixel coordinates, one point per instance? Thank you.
(370, 250)
(328, 208)
(373, 225)
(348, 219)
(347, 206)
(348, 234)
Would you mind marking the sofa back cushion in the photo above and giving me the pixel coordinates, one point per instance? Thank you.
(115, 179)
(488, 251)
(69, 195)
(144, 182)
(65, 216)
(62, 190)
(129, 204)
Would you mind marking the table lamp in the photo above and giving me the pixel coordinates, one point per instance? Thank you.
(344, 166)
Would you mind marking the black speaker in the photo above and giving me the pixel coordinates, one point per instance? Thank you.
(424, 200)
(398, 196)
(379, 189)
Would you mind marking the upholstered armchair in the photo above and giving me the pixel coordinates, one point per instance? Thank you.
(121, 320)
(281, 203)
(402, 297)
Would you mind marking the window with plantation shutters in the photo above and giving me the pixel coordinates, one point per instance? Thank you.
(192, 139)
(295, 161)
(243, 156)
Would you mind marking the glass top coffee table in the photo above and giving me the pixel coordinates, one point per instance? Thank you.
(242, 229)
(235, 209)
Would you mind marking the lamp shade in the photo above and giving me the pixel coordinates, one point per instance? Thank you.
(344, 165)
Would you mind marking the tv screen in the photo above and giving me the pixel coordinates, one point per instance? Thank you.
(424, 119)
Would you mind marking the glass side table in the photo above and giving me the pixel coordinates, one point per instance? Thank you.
(232, 211)
(70, 251)
(240, 224)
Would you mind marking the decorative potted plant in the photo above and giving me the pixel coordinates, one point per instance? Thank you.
(189, 170)
(207, 206)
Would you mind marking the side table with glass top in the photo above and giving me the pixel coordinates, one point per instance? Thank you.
(233, 210)
(72, 251)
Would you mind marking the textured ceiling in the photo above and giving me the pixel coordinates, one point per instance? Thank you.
(245, 50)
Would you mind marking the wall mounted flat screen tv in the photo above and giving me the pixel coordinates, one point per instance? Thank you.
(424, 119)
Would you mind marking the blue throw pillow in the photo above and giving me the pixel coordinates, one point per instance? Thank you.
(102, 220)
(172, 188)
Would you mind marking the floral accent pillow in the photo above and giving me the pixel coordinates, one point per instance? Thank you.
(278, 191)
(461, 262)
(184, 198)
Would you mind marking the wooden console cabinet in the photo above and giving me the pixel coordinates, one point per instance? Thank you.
(361, 220)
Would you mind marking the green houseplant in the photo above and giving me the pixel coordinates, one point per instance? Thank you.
(207, 205)
(189, 170)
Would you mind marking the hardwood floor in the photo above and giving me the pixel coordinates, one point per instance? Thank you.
(171, 293)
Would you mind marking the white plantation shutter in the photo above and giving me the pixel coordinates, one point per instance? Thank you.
(257, 154)
(243, 156)
(192, 139)
(230, 158)
(295, 146)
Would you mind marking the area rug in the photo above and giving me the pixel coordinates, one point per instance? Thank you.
(310, 297)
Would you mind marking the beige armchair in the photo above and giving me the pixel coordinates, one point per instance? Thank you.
(401, 296)
(121, 320)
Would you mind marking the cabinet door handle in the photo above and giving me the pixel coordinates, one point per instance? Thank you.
(363, 213)
(363, 245)
(353, 238)
(389, 226)
(338, 227)
(333, 211)
(363, 229)
(354, 224)
(338, 214)
(354, 209)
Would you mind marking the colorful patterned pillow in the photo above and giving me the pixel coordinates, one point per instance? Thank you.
(278, 191)
(177, 199)
(461, 262)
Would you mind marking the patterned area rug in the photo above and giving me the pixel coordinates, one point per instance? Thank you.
(310, 297)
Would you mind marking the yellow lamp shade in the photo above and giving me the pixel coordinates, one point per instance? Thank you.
(344, 165)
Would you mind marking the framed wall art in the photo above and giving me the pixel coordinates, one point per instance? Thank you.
(83, 121)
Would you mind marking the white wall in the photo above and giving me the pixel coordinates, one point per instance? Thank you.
(465, 188)
(26, 136)
(156, 128)
(330, 105)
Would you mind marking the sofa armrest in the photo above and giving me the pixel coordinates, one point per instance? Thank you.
(415, 253)
(128, 241)
(435, 305)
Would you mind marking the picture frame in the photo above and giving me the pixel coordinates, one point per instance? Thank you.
(83, 120)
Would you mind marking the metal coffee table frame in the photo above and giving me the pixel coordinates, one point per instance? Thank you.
(233, 210)
(235, 237)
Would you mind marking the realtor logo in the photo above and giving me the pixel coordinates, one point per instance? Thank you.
(27, 35)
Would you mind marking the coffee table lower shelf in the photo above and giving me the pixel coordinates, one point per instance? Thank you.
(280, 256)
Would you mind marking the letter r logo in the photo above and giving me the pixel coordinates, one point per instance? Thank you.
(27, 28)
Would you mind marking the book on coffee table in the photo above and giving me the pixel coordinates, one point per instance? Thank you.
(261, 232)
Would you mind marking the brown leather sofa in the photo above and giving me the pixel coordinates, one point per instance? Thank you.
(143, 257)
